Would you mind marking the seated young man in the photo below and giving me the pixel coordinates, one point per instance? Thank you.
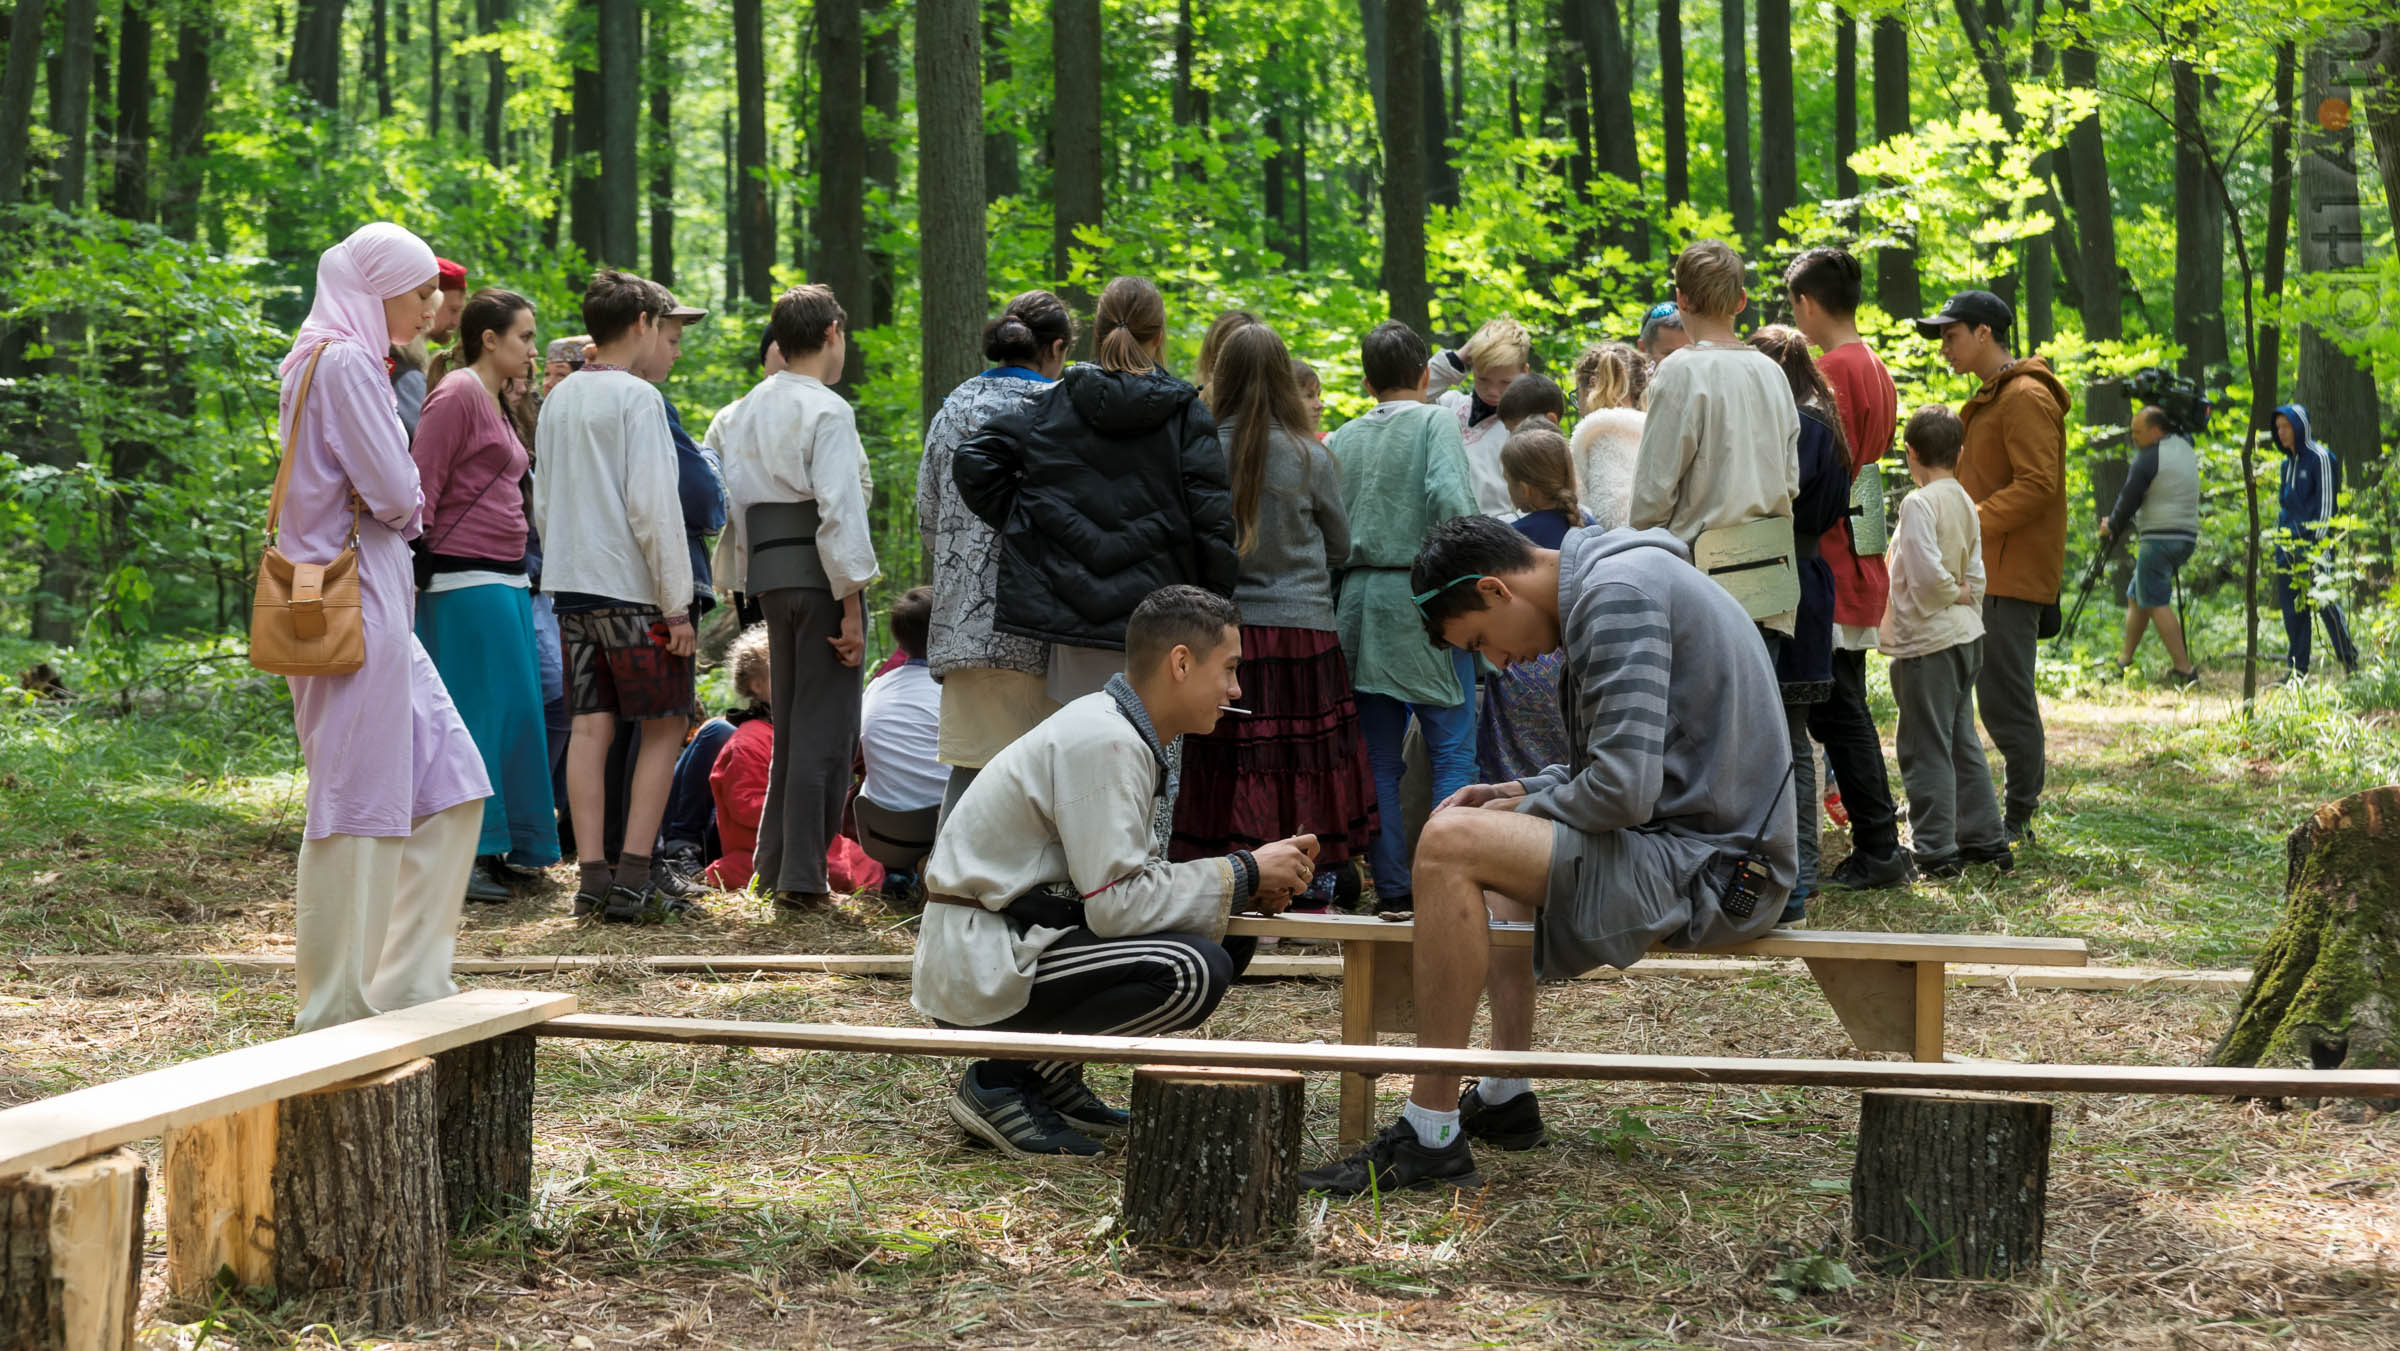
(1661, 829)
(899, 728)
(1050, 903)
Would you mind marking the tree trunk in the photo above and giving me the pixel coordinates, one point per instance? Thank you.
(1441, 175)
(484, 1096)
(1734, 32)
(1674, 131)
(2339, 389)
(1000, 178)
(842, 163)
(1582, 164)
(1778, 132)
(16, 97)
(1950, 1185)
(2380, 110)
(1372, 28)
(1274, 173)
(495, 83)
(2325, 990)
(658, 60)
(950, 197)
(1614, 150)
(1179, 95)
(2042, 254)
(583, 198)
(1213, 1157)
(749, 224)
(2266, 362)
(1075, 162)
(2103, 306)
(2199, 235)
(129, 196)
(1845, 109)
(1896, 288)
(1300, 176)
(316, 64)
(57, 608)
(579, 31)
(379, 57)
(187, 127)
(1404, 165)
(1991, 58)
(71, 1254)
(358, 1196)
(620, 145)
(562, 173)
(71, 104)
(883, 158)
(734, 253)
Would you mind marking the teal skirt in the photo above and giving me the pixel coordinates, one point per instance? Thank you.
(481, 639)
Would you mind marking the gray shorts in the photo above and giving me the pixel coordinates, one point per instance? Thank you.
(1614, 895)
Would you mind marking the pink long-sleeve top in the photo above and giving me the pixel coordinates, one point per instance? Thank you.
(469, 466)
(358, 732)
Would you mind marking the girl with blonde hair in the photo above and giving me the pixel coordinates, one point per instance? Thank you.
(1611, 381)
(1485, 365)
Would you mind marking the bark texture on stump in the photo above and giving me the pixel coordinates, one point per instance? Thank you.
(71, 1254)
(1950, 1184)
(359, 1214)
(2325, 992)
(1213, 1157)
(485, 1137)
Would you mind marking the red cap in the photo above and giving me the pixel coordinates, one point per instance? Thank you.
(454, 277)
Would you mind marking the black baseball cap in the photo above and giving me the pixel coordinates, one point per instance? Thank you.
(1970, 308)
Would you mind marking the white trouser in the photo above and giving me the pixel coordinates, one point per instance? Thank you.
(378, 916)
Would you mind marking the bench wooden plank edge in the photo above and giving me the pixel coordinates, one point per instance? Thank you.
(1827, 943)
(1995, 1076)
(71, 1126)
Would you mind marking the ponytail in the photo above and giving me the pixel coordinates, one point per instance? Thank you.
(1536, 456)
(1131, 316)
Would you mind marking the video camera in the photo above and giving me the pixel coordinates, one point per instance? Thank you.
(2184, 402)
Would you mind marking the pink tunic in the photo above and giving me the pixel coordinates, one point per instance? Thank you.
(384, 746)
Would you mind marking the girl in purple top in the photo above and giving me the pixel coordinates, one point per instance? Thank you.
(475, 613)
(395, 784)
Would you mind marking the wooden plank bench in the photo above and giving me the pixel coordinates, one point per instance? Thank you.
(1886, 988)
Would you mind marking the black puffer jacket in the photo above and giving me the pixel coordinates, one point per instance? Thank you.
(1104, 487)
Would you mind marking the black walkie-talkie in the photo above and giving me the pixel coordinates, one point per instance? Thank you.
(1751, 872)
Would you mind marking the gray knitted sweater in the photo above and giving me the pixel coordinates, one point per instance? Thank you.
(1303, 535)
(965, 551)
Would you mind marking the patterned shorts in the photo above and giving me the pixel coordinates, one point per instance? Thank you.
(613, 666)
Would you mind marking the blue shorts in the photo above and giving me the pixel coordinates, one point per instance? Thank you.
(2154, 570)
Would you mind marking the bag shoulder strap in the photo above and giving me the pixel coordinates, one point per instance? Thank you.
(283, 469)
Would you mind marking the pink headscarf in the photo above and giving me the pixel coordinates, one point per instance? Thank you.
(354, 278)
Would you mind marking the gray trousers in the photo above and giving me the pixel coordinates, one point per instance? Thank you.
(1808, 791)
(2012, 712)
(1949, 783)
(814, 704)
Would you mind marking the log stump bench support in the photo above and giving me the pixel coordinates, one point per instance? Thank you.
(1887, 989)
(332, 1162)
(1950, 1185)
(1213, 1157)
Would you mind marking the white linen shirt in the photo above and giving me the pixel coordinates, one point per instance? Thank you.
(899, 728)
(606, 501)
(1936, 559)
(790, 439)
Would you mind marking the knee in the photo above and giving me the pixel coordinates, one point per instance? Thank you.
(1448, 839)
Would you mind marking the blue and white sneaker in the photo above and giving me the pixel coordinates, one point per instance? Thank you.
(1081, 1108)
(1015, 1120)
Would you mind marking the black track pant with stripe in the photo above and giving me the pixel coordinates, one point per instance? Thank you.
(1087, 985)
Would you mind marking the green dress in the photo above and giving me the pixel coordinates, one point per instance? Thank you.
(1404, 471)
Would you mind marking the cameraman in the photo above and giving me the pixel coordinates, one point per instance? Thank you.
(2161, 501)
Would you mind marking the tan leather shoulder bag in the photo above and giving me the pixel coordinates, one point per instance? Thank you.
(305, 618)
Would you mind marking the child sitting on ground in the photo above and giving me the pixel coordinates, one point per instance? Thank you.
(899, 724)
(1933, 633)
(738, 779)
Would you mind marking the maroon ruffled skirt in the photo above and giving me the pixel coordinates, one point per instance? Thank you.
(1295, 766)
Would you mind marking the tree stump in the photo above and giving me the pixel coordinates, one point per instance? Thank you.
(2325, 992)
(1213, 1157)
(1950, 1184)
(71, 1254)
(358, 1198)
(485, 1095)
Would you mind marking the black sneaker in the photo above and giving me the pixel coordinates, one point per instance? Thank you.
(1081, 1108)
(484, 889)
(1863, 871)
(1394, 1161)
(2020, 834)
(1015, 1120)
(1944, 869)
(1514, 1124)
(803, 902)
(1994, 855)
(2183, 680)
(670, 879)
(627, 906)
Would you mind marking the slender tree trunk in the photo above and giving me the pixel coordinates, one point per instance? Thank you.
(583, 40)
(841, 165)
(1583, 165)
(433, 73)
(57, 600)
(734, 253)
(658, 59)
(620, 118)
(379, 57)
(1778, 134)
(1739, 199)
(16, 96)
(2269, 357)
(1991, 58)
(316, 64)
(1371, 27)
(883, 158)
(1275, 170)
(1300, 175)
(130, 193)
(187, 126)
(2103, 305)
(1896, 289)
(1673, 132)
(1179, 97)
(1441, 174)
(2199, 234)
(1075, 149)
(950, 196)
(1614, 149)
(2344, 413)
(1000, 178)
(2380, 111)
(750, 225)
(495, 84)
(1845, 108)
(1404, 177)
(2041, 254)
(562, 174)
(1516, 108)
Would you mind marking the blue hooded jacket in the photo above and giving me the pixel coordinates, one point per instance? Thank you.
(701, 486)
(2312, 480)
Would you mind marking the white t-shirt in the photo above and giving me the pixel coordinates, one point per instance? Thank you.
(899, 731)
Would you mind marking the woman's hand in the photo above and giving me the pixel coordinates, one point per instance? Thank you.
(1499, 796)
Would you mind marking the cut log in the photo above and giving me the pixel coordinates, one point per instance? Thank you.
(1213, 1157)
(485, 1137)
(2325, 992)
(71, 1254)
(1950, 1184)
(359, 1218)
(220, 1178)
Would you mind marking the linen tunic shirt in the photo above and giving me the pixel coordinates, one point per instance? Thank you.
(1404, 471)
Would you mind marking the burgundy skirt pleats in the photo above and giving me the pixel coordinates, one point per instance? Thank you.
(1294, 765)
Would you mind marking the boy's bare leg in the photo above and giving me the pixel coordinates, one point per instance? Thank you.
(1464, 852)
(1508, 979)
(653, 779)
(588, 738)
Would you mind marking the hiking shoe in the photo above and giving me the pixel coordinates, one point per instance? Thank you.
(1514, 1124)
(2020, 833)
(803, 902)
(1863, 871)
(1394, 1161)
(670, 879)
(1081, 1108)
(1015, 1120)
(627, 906)
(2183, 680)
(484, 889)
(1996, 855)
(1944, 869)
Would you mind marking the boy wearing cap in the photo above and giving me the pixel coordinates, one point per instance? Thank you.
(1662, 332)
(2014, 464)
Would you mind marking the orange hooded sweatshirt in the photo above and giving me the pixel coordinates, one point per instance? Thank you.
(2014, 464)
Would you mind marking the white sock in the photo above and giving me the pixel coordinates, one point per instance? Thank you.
(1497, 1091)
(1435, 1130)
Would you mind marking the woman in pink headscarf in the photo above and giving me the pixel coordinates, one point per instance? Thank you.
(395, 785)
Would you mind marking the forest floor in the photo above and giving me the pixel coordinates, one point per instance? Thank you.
(734, 1198)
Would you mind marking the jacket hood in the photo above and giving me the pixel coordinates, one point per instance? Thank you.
(2028, 368)
(2298, 413)
(1591, 545)
(1125, 403)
